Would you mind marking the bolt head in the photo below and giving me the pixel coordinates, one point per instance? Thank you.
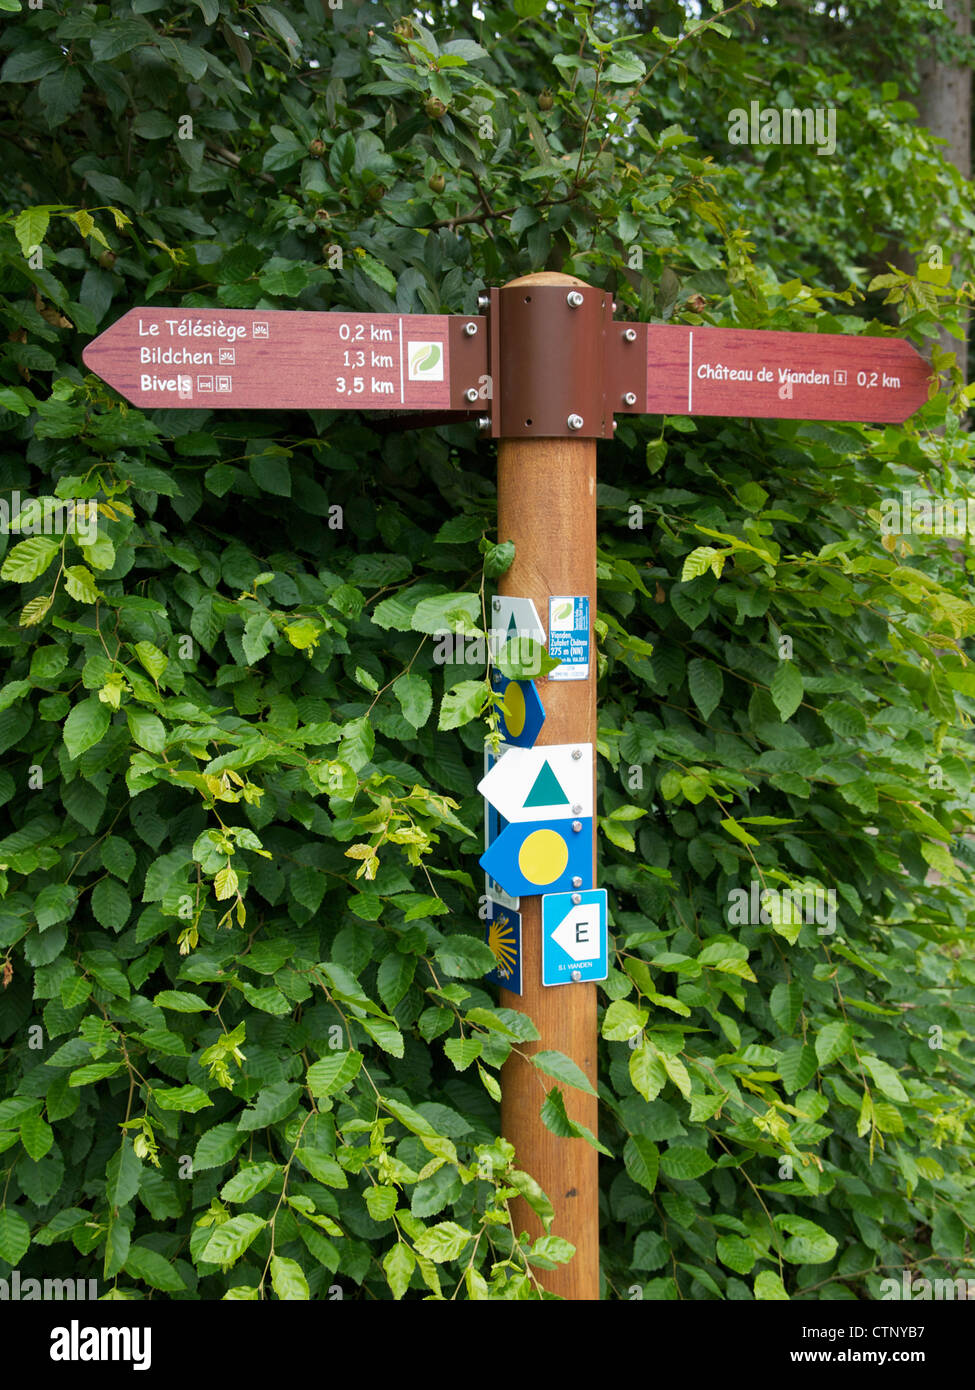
(577, 882)
(470, 329)
(629, 398)
(484, 424)
(577, 897)
(577, 975)
(574, 299)
(577, 826)
(575, 422)
(483, 301)
(577, 753)
(577, 810)
(629, 335)
(471, 394)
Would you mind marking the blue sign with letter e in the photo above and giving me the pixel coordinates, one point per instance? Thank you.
(574, 937)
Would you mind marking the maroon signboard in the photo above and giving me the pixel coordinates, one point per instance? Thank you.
(283, 359)
(796, 376)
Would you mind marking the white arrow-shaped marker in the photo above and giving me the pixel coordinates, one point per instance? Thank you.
(551, 783)
(513, 618)
(578, 932)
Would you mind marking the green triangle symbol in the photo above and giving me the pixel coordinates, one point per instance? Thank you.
(547, 790)
(512, 626)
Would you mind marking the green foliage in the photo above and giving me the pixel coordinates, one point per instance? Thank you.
(247, 1048)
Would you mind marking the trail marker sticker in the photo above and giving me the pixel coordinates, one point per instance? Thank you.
(574, 937)
(511, 618)
(541, 856)
(502, 932)
(545, 797)
(568, 636)
(551, 783)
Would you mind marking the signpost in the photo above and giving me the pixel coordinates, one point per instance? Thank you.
(795, 376)
(544, 370)
(283, 359)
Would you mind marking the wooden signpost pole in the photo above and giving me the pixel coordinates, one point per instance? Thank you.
(547, 506)
(560, 368)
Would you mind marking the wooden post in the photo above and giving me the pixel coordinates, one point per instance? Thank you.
(547, 506)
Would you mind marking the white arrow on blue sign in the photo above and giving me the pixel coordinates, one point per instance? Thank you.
(574, 937)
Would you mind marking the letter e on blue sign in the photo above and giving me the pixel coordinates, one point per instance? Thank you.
(574, 937)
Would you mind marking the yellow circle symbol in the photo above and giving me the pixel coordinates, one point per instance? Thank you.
(543, 856)
(514, 708)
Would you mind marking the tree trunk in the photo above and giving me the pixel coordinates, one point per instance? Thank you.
(945, 107)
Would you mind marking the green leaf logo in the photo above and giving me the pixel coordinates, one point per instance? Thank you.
(424, 361)
(563, 611)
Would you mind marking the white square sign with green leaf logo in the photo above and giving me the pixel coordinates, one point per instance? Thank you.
(568, 636)
(424, 361)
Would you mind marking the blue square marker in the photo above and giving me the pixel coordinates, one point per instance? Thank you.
(575, 939)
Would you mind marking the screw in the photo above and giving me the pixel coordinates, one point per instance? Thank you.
(576, 897)
(497, 604)
(484, 301)
(471, 394)
(470, 329)
(629, 398)
(577, 975)
(577, 753)
(574, 299)
(577, 826)
(577, 810)
(575, 422)
(629, 335)
(614, 306)
(484, 424)
(616, 425)
(577, 883)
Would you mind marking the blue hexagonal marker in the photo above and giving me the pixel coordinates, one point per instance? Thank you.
(545, 856)
(522, 714)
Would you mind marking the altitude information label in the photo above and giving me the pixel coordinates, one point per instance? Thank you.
(279, 359)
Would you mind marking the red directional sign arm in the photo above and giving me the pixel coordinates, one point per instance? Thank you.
(438, 366)
(752, 373)
(283, 359)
